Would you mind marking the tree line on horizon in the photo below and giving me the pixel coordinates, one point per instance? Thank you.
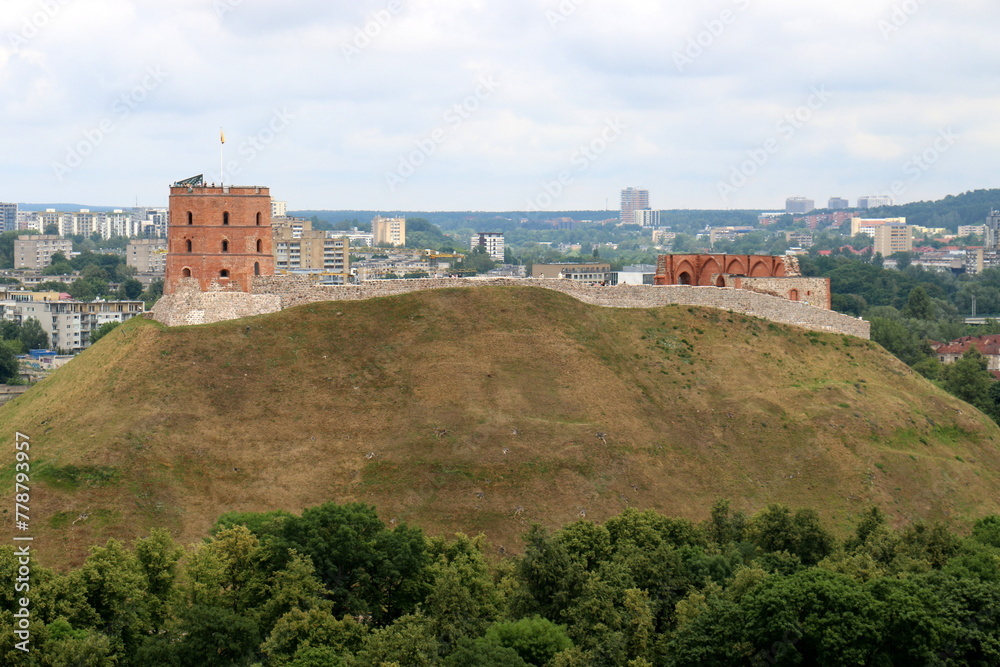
(336, 586)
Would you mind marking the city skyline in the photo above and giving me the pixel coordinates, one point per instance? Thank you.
(439, 105)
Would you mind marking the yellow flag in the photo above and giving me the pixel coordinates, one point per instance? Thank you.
(222, 136)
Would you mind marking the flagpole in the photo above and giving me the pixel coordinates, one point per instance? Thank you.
(222, 145)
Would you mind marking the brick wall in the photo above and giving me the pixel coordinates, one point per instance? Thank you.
(297, 290)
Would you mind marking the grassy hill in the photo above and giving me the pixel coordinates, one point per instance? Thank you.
(486, 409)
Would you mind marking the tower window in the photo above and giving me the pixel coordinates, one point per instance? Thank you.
(224, 273)
(186, 273)
(188, 246)
(258, 218)
(225, 246)
(225, 217)
(260, 244)
(190, 218)
(256, 267)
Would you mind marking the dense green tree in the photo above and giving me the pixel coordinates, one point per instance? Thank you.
(130, 289)
(103, 330)
(9, 365)
(32, 336)
(536, 640)
(968, 379)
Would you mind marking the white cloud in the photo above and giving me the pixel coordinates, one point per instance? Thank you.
(561, 81)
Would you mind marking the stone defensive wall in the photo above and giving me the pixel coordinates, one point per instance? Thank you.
(297, 290)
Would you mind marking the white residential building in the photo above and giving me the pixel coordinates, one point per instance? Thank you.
(491, 241)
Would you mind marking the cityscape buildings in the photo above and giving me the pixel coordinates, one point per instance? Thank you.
(633, 199)
(389, 231)
(492, 242)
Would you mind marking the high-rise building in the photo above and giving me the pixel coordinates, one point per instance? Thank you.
(838, 203)
(279, 209)
(147, 255)
(35, 251)
(633, 199)
(647, 217)
(893, 238)
(298, 247)
(492, 242)
(869, 225)
(218, 234)
(389, 231)
(8, 217)
(799, 205)
(874, 201)
(992, 239)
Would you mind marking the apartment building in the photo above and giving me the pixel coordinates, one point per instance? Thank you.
(297, 247)
(35, 251)
(492, 242)
(147, 255)
(69, 323)
(389, 231)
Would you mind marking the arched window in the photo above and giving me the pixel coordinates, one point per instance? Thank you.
(793, 295)
(258, 218)
(225, 246)
(260, 245)
(225, 217)
(186, 273)
(224, 273)
(188, 246)
(256, 267)
(190, 218)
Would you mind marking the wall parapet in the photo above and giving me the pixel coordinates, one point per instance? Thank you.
(298, 290)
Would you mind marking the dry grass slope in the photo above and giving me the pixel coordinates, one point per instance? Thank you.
(479, 409)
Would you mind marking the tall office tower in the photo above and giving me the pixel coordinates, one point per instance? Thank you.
(799, 205)
(8, 217)
(633, 199)
(838, 203)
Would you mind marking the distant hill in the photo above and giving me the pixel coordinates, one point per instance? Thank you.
(968, 208)
(486, 409)
(71, 208)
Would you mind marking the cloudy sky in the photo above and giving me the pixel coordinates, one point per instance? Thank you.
(502, 105)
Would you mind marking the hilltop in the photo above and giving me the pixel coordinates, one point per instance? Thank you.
(487, 409)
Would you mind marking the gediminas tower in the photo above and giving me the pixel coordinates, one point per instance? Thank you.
(218, 235)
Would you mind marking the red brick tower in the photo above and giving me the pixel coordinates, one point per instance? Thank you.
(218, 234)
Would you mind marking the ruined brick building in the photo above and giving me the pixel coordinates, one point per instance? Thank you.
(766, 274)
